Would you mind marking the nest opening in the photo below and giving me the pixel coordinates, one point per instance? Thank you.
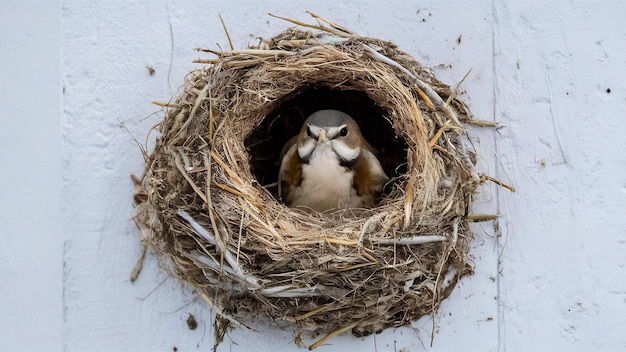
(266, 141)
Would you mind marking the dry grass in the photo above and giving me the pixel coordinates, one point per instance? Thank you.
(212, 223)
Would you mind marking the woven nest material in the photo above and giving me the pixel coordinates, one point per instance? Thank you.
(207, 203)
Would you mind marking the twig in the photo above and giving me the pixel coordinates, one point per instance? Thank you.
(167, 105)
(425, 87)
(230, 42)
(201, 96)
(410, 240)
(444, 259)
(446, 127)
(288, 291)
(481, 217)
(481, 123)
(183, 172)
(228, 189)
(206, 61)
(311, 313)
(228, 256)
(221, 313)
(497, 182)
(261, 52)
(332, 334)
(356, 266)
(214, 52)
(426, 99)
(341, 242)
(134, 274)
(455, 91)
(321, 28)
(220, 245)
(334, 25)
(441, 149)
(366, 226)
(408, 205)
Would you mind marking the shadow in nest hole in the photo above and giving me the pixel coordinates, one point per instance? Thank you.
(267, 140)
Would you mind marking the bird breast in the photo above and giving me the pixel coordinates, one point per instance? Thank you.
(325, 183)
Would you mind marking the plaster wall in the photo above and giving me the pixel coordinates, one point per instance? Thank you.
(76, 90)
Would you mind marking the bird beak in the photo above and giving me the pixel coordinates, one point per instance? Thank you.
(323, 137)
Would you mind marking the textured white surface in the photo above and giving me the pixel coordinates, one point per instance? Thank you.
(31, 159)
(551, 73)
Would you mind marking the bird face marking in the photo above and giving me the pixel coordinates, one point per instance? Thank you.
(346, 149)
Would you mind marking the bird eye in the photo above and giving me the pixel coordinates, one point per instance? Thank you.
(343, 132)
(308, 131)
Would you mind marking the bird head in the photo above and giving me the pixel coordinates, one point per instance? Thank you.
(332, 128)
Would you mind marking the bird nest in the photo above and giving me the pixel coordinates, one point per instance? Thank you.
(207, 202)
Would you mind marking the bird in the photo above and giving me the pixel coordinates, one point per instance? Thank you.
(329, 166)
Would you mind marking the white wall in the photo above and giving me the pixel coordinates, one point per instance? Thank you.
(31, 164)
(550, 273)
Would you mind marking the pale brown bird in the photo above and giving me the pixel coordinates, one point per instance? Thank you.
(329, 165)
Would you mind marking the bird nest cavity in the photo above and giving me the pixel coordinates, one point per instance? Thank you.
(208, 207)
